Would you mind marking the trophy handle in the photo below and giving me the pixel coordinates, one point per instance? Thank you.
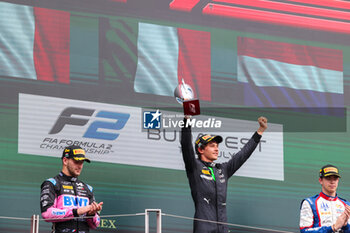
(191, 107)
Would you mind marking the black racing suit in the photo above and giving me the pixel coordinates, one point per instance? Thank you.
(60, 197)
(209, 195)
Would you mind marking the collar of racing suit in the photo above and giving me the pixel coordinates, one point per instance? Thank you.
(208, 164)
(329, 198)
(68, 178)
(211, 164)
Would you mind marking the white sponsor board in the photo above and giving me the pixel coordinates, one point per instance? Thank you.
(112, 133)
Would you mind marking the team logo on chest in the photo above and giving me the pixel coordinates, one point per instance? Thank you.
(324, 206)
(205, 174)
(324, 209)
(221, 176)
(69, 201)
(339, 208)
(68, 189)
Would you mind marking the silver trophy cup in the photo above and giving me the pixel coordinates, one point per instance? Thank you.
(184, 95)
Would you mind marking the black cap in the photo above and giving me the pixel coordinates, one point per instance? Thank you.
(329, 170)
(75, 152)
(205, 139)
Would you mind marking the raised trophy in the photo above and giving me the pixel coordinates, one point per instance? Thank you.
(184, 95)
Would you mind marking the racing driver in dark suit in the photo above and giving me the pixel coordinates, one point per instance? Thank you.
(208, 180)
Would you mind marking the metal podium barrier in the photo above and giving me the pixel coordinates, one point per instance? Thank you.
(159, 219)
(35, 224)
(34, 220)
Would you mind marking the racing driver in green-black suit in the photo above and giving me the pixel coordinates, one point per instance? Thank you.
(208, 180)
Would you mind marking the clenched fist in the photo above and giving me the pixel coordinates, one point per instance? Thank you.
(263, 125)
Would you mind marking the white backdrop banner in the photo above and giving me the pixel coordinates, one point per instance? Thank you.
(115, 134)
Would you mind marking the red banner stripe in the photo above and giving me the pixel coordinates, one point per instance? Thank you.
(277, 18)
(51, 45)
(183, 5)
(328, 3)
(289, 7)
(194, 64)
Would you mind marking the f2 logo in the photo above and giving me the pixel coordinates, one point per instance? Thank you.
(66, 118)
